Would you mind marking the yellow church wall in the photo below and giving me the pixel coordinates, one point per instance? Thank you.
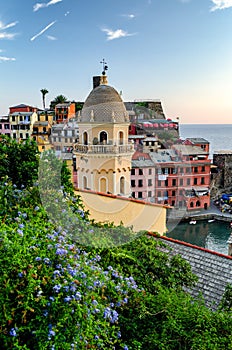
(138, 214)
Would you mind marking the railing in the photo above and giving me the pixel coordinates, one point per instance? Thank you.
(104, 148)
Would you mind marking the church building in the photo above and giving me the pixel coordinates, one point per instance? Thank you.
(103, 154)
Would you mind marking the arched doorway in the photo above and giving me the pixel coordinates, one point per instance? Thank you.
(122, 185)
(120, 138)
(103, 137)
(205, 206)
(198, 204)
(85, 138)
(85, 184)
(103, 185)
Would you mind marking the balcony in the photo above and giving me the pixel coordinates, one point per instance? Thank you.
(95, 149)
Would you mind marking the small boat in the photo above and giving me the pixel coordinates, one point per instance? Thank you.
(211, 220)
(192, 222)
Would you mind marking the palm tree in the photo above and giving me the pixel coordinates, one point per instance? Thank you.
(44, 92)
(58, 99)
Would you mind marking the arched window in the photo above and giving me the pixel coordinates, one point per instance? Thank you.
(120, 134)
(85, 138)
(103, 185)
(198, 204)
(103, 137)
(122, 185)
(191, 204)
(85, 184)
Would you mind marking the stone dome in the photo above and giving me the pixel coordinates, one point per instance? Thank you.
(104, 105)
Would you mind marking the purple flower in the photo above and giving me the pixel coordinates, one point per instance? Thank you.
(13, 332)
(46, 260)
(20, 232)
(125, 348)
(21, 225)
(57, 288)
(20, 274)
(38, 258)
(36, 208)
(67, 299)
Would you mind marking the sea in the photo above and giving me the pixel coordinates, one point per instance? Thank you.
(213, 235)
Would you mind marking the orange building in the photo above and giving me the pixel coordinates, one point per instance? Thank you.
(64, 111)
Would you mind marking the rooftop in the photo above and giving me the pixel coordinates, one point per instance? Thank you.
(214, 270)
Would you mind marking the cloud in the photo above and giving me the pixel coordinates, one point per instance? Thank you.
(130, 16)
(12, 24)
(118, 33)
(5, 35)
(4, 59)
(40, 5)
(50, 37)
(221, 4)
(43, 30)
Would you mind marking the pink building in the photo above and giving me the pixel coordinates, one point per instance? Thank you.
(142, 177)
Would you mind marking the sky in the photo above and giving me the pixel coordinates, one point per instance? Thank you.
(176, 51)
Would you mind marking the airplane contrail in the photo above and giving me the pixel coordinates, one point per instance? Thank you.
(43, 30)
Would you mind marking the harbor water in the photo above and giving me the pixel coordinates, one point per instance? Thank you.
(210, 235)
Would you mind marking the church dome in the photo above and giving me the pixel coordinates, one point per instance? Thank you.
(104, 105)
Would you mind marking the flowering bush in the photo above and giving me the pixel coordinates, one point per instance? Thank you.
(54, 295)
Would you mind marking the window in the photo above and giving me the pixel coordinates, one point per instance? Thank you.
(140, 183)
(173, 182)
(202, 181)
(133, 194)
(195, 180)
(122, 185)
(140, 171)
(188, 182)
(13, 118)
(195, 169)
(159, 194)
(132, 183)
(203, 168)
(181, 170)
(27, 136)
(7, 126)
(173, 203)
(188, 170)
(21, 135)
(173, 193)
(149, 194)
(166, 182)
(14, 136)
(0, 126)
(181, 182)
(150, 171)
(140, 194)
(159, 183)
(149, 182)
(132, 171)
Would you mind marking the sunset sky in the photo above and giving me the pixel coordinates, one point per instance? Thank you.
(177, 51)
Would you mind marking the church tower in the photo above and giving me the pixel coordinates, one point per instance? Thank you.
(103, 154)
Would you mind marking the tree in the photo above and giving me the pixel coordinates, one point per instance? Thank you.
(19, 161)
(58, 99)
(44, 92)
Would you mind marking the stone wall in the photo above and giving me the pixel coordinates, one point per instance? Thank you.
(222, 179)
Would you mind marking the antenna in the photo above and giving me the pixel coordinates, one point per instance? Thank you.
(104, 66)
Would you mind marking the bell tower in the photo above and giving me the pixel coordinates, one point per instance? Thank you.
(103, 154)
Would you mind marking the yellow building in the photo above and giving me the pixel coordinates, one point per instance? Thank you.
(103, 154)
(42, 130)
